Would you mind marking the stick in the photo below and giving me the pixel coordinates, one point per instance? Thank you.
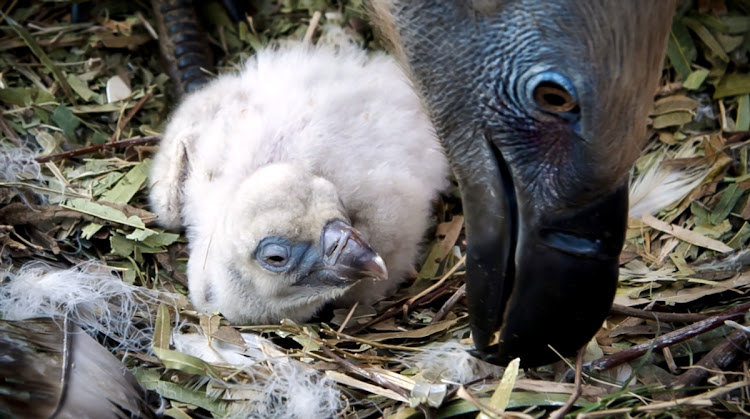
(671, 338)
(719, 358)
(660, 317)
(577, 391)
(99, 147)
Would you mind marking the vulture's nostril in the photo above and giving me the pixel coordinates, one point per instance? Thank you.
(574, 244)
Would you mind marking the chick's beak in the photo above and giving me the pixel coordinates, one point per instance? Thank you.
(348, 255)
(344, 257)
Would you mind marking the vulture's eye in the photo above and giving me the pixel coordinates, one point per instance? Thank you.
(554, 93)
(273, 254)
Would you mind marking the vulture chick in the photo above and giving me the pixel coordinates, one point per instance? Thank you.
(293, 178)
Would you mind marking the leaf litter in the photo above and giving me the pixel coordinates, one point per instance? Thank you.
(83, 105)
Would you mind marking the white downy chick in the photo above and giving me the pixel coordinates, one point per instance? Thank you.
(291, 175)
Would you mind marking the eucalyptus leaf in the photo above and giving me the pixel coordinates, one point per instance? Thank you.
(680, 49)
(743, 113)
(733, 84)
(65, 119)
(695, 79)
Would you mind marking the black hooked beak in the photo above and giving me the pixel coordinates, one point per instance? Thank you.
(344, 257)
(537, 279)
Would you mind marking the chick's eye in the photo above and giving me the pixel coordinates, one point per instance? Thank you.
(274, 256)
(554, 93)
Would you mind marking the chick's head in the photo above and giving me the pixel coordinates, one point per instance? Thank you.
(282, 246)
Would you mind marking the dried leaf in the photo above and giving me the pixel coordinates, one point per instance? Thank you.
(674, 103)
(370, 388)
(685, 234)
(501, 397)
(412, 334)
(672, 119)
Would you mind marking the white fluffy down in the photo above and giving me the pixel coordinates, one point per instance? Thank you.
(101, 304)
(18, 163)
(659, 187)
(88, 294)
(282, 387)
(450, 362)
(257, 154)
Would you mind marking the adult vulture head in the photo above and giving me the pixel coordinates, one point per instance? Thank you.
(541, 108)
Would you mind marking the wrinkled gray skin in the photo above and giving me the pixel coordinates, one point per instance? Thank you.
(544, 188)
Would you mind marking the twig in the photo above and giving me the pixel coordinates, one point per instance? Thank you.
(661, 317)
(703, 399)
(719, 358)
(100, 147)
(397, 308)
(9, 133)
(577, 391)
(348, 317)
(460, 293)
(131, 113)
(372, 376)
(669, 339)
(311, 29)
(437, 284)
(18, 213)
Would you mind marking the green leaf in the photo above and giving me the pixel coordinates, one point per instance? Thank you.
(501, 396)
(65, 119)
(680, 49)
(729, 198)
(739, 239)
(743, 113)
(37, 50)
(80, 87)
(672, 119)
(733, 84)
(184, 362)
(122, 246)
(705, 35)
(104, 212)
(695, 79)
(518, 399)
(736, 24)
(162, 328)
(161, 239)
(150, 379)
(174, 391)
(129, 185)
(140, 235)
(25, 96)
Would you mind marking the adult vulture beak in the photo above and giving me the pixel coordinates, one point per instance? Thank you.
(542, 109)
